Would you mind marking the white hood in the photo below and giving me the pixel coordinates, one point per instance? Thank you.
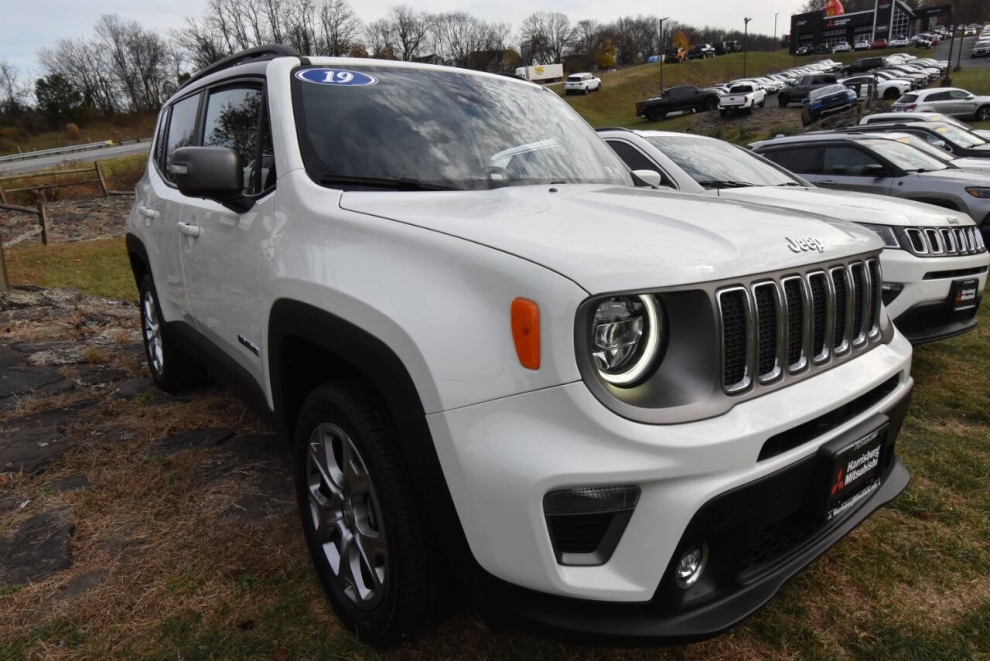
(854, 207)
(613, 239)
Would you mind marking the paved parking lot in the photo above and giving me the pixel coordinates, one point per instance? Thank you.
(967, 62)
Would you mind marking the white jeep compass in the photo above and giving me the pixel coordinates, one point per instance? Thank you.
(613, 412)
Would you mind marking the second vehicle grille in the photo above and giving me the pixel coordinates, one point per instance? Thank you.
(772, 327)
(944, 241)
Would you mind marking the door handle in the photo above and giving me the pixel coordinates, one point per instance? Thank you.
(150, 214)
(188, 230)
(828, 182)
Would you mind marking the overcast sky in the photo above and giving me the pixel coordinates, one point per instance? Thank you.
(31, 24)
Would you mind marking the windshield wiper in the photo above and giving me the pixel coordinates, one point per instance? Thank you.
(725, 184)
(376, 182)
(788, 183)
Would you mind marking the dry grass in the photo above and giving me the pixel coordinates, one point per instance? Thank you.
(120, 174)
(122, 127)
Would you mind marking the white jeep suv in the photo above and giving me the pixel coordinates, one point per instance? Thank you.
(582, 83)
(934, 260)
(615, 412)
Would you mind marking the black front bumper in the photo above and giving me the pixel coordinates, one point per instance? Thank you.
(930, 322)
(745, 569)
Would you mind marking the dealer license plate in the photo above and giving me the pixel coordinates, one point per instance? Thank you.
(964, 294)
(856, 472)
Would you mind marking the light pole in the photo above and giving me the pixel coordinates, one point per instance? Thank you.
(775, 31)
(947, 81)
(745, 42)
(663, 54)
(962, 41)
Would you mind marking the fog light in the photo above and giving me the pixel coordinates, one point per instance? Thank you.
(890, 291)
(691, 565)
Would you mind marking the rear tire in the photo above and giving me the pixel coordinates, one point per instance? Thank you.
(357, 502)
(711, 104)
(782, 101)
(171, 368)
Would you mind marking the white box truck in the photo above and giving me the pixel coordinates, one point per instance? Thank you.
(542, 73)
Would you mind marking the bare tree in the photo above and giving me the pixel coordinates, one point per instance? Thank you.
(547, 35)
(12, 91)
(409, 28)
(380, 39)
(339, 27)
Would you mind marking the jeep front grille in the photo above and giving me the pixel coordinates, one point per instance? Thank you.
(944, 241)
(772, 327)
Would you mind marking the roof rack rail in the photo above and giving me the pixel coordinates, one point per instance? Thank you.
(613, 128)
(258, 53)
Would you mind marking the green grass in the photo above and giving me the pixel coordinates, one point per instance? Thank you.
(120, 174)
(99, 268)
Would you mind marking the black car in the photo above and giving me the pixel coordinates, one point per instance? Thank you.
(821, 49)
(701, 52)
(677, 99)
(798, 91)
(804, 50)
(953, 139)
(863, 65)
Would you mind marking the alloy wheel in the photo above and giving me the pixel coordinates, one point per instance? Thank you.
(346, 515)
(153, 333)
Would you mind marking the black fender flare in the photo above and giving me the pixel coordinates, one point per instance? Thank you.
(137, 251)
(374, 361)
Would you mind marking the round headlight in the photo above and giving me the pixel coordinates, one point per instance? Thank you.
(626, 334)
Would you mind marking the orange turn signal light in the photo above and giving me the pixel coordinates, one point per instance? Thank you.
(526, 332)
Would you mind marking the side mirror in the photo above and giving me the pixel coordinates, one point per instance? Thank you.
(874, 170)
(647, 178)
(210, 173)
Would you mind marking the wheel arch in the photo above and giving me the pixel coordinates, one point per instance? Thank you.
(138, 256)
(308, 346)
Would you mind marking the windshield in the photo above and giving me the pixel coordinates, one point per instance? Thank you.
(717, 164)
(961, 137)
(905, 157)
(927, 147)
(436, 128)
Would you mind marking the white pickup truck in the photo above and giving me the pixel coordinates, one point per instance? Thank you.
(744, 96)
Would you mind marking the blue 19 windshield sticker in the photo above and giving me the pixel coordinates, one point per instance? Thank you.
(336, 77)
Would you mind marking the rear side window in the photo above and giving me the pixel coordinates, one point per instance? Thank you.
(181, 128)
(635, 159)
(908, 98)
(846, 161)
(938, 96)
(801, 160)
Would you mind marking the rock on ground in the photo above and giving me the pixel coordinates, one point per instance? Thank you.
(37, 549)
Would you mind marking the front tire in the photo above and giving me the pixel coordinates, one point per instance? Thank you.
(172, 369)
(983, 114)
(711, 104)
(369, 545)
(782, 101)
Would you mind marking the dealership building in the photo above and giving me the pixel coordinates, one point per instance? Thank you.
(888, 19)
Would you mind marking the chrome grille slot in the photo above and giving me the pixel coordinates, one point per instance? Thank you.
(876, 290)
(774, 328)
(737, 334)
(934, 242)
(917, 240)
(797, 308)
(822, 315)
(949, 241)
(963, 240)
(971, 238)
(769, 331)
(840, 288)
(861, 302)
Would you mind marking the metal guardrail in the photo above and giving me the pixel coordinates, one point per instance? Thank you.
(13, 158)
